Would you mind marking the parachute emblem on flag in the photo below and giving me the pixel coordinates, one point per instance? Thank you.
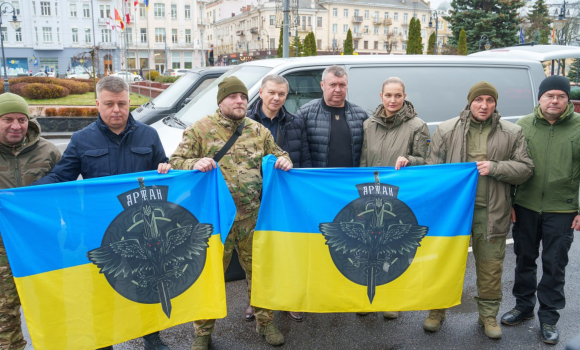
(373, 239)
(154, 250)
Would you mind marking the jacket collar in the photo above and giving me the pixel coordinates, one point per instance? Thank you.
(254, 113)
(226, 123)
(539, 118)
(131, 125)
(405, 113)
(465, 117)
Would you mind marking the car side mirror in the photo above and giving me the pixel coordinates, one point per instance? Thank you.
(185, 102)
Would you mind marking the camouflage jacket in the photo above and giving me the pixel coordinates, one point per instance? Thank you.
(241, 165)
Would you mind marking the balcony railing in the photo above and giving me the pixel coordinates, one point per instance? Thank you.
(304, 28)
(377, 21)
(108, 44)
(239, 32)
(254, 30)
(357, 35)
(357, 19)
(388, 22)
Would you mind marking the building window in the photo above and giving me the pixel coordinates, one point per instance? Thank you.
(318, 44)
(334, 27)
(36, 33)
(376, 31)
(5, 33)
(366, 14)
(356, 13)
(142, 11)
(366, 30)
(272, 43)
(345, 13)
(159, 10)
(376, 15)
(129, 35)
(45, 9)
(355, 29)
(386, 15)
(19, 35)
(396, 16)
(345, 28)
(187, 11)
(75, 35)
(424, 18)
(395, 46)
(404, 46)
(86, 11)
(34, 11)
(88, 37)
(73, 10)
(386, 31)
(187, 59)
(188, 36)
(47, 34)
(335, 12)
(143, 35)
(355, 44)
(366, 45)
(384, 45)
(174, 36)
(106, 35)
(56, 8)
(58, 34)
(405, 18)
(422, 33)
(174, 11)
(159, 35)
(396, 31)
(376, 45)
(405, 31)
(175, 60)
(16, 6)
(272, 20)
(105, 11)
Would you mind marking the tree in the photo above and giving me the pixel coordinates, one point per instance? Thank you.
(496, 19)
(574, 71)
(418, 40)
(538, 22)
(391, 40)
(348, 48)
(431, 44)
(310, 45)
(296, 44)
(280, 52)
(313, 48)
(414, 46)
(462, 45)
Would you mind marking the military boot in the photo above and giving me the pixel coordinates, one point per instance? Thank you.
(271, 333)
(492, 329)
(153, 342)
(434, 319)
(391, 315)
(201, 342)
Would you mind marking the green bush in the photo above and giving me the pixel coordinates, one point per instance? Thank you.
(152, 75)
(75, 87)
(38, 91)
(88, 81)
(162, 79)
(575, 93)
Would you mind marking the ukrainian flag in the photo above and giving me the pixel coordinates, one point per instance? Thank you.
(363, 239)
(102, 261)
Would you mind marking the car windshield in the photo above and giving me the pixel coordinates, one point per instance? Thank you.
(205, 103)
(168, 97)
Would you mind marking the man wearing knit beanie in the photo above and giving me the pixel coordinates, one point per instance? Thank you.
(203, 145)
(28, 157)
(499, 150)
(546, 208)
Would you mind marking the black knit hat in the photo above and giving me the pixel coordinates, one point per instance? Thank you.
(554, 82)
(230, 85)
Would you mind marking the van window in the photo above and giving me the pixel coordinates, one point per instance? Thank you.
(202, 86)
(304, 86)
(440, 93)
(206, 102)
(168, 97)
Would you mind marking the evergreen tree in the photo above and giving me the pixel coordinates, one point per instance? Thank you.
(313, 48)
(574, 70)
(539, 20)
(280, 52)
(418, 38)
(296, 44)
(544, 37)
(348, 48)
(496, 19)
(307, 51)
(414, 44)
(462, 45)
(431, 44)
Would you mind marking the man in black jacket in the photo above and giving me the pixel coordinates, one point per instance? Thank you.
(288, 131)
(334, 126)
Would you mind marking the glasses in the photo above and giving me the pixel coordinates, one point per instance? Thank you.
(550, 97)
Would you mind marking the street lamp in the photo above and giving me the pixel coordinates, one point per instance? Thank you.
(434, 15)
(482, 39)
(559, 25)
(16, 25)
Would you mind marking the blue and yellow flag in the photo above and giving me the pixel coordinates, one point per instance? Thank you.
(101, 261)
(363, 239)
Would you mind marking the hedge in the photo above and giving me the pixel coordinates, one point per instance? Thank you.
(88, 81)
(37, 91)
(152, 75)
(162, 79)
(71, 112)
(16, 88)
(75, 87)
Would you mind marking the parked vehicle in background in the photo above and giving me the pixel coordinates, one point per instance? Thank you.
(179, 72)
(436, 85)
(128, 76)
(178, 94)
(43, 74)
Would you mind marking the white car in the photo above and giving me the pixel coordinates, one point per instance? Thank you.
(127, 76)
(43, 74)
(179, 72)
(79, 76)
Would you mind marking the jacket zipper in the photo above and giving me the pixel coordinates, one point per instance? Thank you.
(18, 182)
(572, 164)
(549, 148)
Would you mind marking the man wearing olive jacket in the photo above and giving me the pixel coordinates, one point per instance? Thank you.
(499, 150)
(546, 207)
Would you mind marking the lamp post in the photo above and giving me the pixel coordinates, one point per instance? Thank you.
(559, 25)
(16, 25)
(434, 15)
(485, 39)
(268, 38)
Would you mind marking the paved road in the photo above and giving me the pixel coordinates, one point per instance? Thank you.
(349, 331)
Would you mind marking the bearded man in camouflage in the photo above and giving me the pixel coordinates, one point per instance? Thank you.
(240, 166)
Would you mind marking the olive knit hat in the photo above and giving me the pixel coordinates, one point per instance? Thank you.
(230, 85)
(481, 88)
(554, 82)
(12, 103)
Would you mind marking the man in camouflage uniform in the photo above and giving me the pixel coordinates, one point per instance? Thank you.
(24, 157)
(241, 168)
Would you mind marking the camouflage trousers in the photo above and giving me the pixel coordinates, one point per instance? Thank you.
(10, 329)
(241, 237)
(489, 256)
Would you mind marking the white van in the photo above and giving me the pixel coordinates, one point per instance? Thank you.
(436, 85)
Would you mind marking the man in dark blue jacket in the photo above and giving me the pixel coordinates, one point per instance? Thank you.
(334, 126)
(114, 144)
(288, 129)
